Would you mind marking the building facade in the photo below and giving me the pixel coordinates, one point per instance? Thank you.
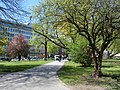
(10, 29)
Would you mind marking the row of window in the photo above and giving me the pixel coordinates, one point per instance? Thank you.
(16, 30)
(12, 35)
(19, 31)
(7, 34)
(10, 32)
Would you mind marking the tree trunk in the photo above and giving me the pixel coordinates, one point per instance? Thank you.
(97, 66)
(45, 49)
(19, 57)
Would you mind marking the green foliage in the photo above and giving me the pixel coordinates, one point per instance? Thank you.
(43, 27)
(52, 48)
(3, 42)
(36, 41)
(115, 47)
(79, 52)
(3, 39)
(95, 20)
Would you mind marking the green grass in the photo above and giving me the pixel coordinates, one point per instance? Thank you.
(73, 74)
(16, 66)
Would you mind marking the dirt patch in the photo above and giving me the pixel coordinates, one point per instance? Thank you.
(86, 87)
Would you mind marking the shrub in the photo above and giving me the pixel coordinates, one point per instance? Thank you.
(82, 57)
(80, 53)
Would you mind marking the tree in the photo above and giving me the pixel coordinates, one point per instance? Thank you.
(80, 52)
(46, 33)
(3, 42)
(45, 29)
(96, 20)
(52, 48)
(10, 8)
(18, 47)
(39, 41)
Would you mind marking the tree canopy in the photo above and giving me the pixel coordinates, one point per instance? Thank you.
(18, 47)
(3, 42)
(96, 20)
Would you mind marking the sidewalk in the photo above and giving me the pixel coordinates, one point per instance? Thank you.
(38, 78)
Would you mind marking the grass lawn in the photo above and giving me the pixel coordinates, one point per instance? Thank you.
(16, 66)
(73, 74)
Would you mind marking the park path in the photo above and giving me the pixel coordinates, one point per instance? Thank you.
(38, 78)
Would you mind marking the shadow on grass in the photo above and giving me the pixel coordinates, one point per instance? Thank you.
(113, 76)
(15, 68)
(36, 77)
(75, 74)
(72, 75)
(79, 70)
(19, 66)
(104, 66)
(107, 82)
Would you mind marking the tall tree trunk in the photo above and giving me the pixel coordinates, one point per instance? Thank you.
(97, 66)
(45, 49)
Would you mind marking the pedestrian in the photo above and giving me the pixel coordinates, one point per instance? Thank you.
(60, 57)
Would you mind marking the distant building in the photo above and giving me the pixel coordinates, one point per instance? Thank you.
(11, 29)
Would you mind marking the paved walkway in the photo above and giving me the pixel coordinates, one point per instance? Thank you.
(38, 78)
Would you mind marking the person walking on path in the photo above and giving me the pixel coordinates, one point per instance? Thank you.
(60, 58)
(38, 78)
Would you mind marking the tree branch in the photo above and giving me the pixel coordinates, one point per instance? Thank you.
(51, 40)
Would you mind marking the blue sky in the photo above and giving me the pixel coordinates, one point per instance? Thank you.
(27, 4)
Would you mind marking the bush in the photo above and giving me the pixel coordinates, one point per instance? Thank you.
(83, 58)
(80, 53)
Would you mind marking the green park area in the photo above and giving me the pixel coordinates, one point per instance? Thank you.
(16, 66)
(81, 31)
(74, 74)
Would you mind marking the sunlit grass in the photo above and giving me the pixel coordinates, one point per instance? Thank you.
(71, 72)
(16, 66)
(74, 74)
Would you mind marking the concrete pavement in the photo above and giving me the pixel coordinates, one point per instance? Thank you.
(38, 78)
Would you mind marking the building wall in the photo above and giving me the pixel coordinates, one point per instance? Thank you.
(11, 29)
